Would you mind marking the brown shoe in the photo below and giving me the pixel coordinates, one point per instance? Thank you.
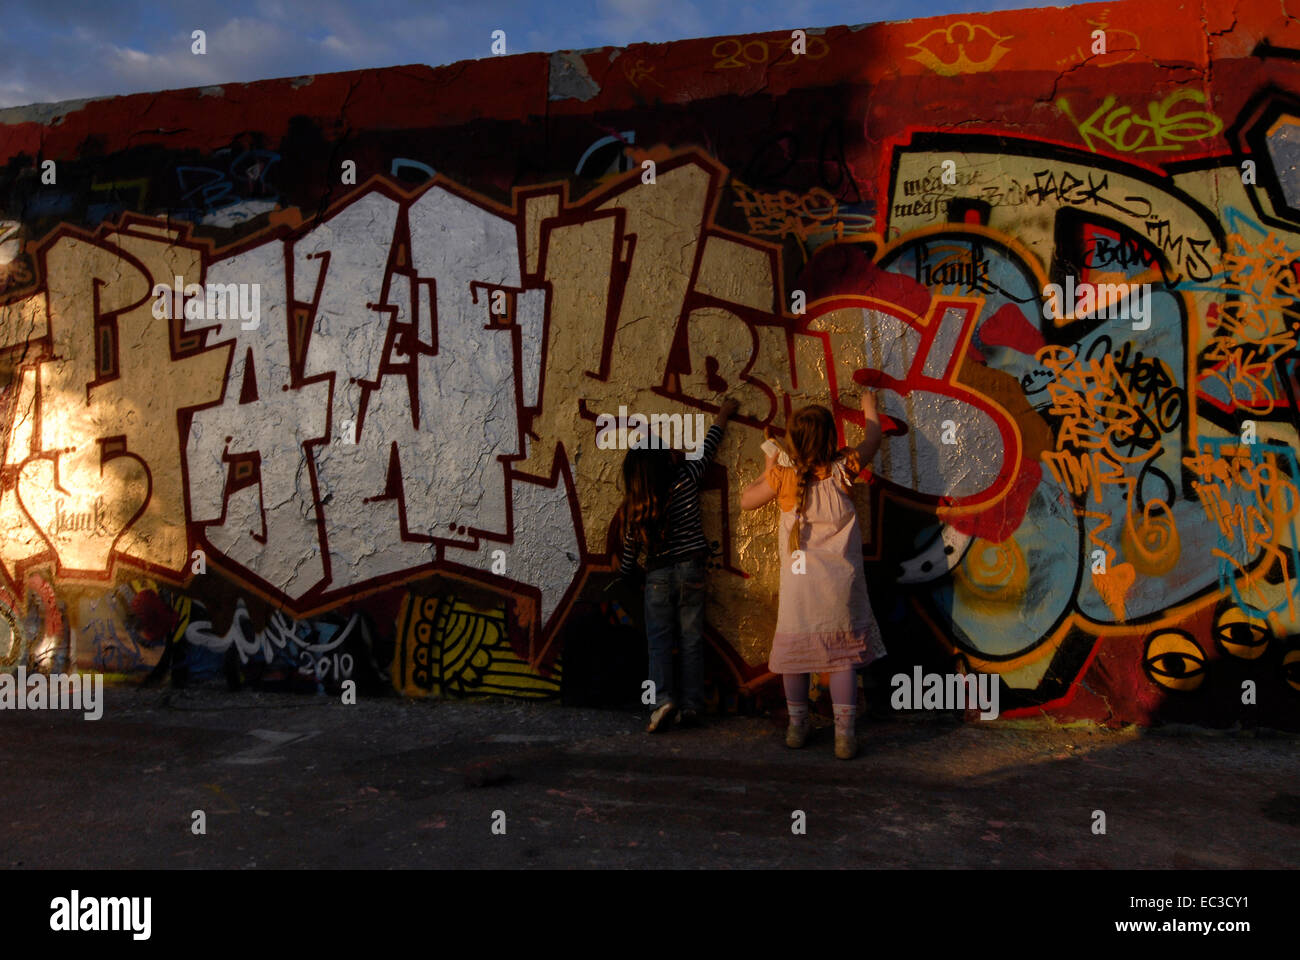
(846, 747)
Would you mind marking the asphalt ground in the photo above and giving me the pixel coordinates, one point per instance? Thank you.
(287, 780)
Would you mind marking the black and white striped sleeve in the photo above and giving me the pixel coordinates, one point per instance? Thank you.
(627, 563)
(695, 468)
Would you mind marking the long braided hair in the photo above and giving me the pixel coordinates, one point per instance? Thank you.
(648, 476)
(811, 444)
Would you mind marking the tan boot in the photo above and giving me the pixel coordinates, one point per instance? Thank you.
(796, 735)
(846, 747)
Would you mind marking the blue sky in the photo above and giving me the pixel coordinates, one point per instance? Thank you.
(64, 49)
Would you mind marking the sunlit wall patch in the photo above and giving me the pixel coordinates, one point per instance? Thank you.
(1291, 668)
(1241, 635)
(1175, 661)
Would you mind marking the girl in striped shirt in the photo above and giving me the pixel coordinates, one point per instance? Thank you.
(661, 519)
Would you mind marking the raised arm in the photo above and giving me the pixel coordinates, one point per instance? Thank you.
(695, 468)
(760, 492)
(870, 444)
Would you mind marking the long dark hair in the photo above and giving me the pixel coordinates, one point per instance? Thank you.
(647, 484)
(812, 444)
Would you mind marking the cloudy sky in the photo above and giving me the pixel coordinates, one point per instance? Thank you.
(64, 49)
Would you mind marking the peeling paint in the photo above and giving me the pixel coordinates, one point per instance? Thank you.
(570, 78)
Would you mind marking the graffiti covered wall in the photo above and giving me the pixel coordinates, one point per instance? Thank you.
(299, 379)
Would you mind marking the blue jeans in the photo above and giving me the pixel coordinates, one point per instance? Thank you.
(674, 598)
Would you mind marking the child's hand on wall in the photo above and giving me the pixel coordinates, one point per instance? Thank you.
(726, 411)
(772, 447)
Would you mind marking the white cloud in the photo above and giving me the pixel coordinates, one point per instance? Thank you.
(372, 43)
(338, 46)
(239, 50)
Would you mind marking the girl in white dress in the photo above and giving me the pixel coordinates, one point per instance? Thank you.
(824, 620)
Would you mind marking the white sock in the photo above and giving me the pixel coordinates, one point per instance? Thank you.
(845, 715)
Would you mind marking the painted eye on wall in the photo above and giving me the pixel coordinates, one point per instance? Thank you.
(1175, 661)
(1291, 668)
(1241, 635)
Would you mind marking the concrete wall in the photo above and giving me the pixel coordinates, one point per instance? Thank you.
(391, 475)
